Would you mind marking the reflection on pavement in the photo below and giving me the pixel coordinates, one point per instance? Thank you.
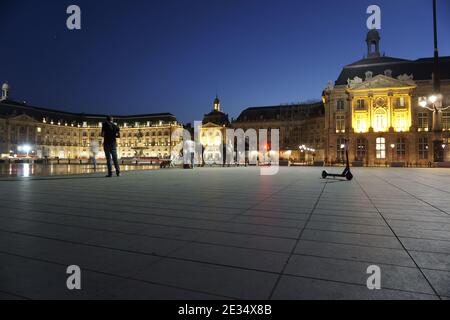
(29, 170)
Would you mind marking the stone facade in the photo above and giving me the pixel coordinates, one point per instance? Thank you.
(299, 125)
(54, 134)
(374, 105)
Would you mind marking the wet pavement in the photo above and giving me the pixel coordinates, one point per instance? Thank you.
(25, 170)
(227, 233)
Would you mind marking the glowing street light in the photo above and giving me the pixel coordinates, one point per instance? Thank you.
(434, 101)
(24, 148)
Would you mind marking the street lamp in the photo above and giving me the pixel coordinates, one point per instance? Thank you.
(434, 101)
(25, 148)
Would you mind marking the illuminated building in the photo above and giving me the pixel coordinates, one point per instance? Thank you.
(299, 125)
(213, 134)
(65, 135)
(374, 105)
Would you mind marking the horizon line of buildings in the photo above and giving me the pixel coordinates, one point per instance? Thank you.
(373, 105)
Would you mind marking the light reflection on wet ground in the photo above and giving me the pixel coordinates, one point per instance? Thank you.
(30, 170)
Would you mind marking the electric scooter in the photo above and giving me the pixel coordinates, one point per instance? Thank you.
(345, 174)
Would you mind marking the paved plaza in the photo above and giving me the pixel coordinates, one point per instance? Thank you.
(227, 233)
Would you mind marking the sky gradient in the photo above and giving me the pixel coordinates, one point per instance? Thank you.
(151, 56)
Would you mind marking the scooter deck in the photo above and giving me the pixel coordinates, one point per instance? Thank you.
(335, 175)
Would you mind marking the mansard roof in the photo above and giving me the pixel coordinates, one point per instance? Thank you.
(420, 69)
(282, 112)
(10, 108)
(216, 117)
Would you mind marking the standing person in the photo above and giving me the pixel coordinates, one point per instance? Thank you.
(191, 145)
(45, 155)
(94, 152)
(110, 132)
(189, 153)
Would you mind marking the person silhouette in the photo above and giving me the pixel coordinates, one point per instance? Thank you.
(110, 132)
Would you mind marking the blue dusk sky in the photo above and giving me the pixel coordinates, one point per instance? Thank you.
(151, 56)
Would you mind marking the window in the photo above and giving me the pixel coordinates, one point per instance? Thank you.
(400, 102)
(361, 147)
(446, 120)
(340, 123)
(400, 122)
(423, 120)
(361, 123)
(340, 149)
(447, 101)
(381, 148)
(380, 124)
(401, 148)
(340, 105)
(360, 104)
(423, 148)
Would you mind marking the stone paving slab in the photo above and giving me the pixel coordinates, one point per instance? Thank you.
(227, 233)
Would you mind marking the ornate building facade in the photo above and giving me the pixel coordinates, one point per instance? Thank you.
(301, 128)
(213, 134)
(40, 132)
(374, 105)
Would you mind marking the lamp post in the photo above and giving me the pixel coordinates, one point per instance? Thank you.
(434, 101)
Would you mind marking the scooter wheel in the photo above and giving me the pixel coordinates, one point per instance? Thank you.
(324, 174)
(349, 176)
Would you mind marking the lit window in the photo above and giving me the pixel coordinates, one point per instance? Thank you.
(381, 148)
(360, 104)
(361, 123)
(38, 129)
(400, 102)
(380, 124)
(400, 122)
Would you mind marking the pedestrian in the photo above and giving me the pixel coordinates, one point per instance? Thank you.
(110, 132)
(189, 153)
(45, 153)
(94, 152)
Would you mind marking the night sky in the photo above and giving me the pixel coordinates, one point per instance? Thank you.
(151, 56)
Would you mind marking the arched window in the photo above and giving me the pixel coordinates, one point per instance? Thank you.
(380, 124)
(381, 148)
